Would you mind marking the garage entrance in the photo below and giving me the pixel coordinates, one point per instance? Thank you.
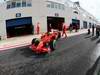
(76, 23)
(85, 24)
(55, 23)
(19, 27)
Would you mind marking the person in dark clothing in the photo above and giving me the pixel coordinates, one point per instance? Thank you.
(97, 32)
(71, 27)
(50, 28)
(76, 28)
(59, 35)
(93, 30)
(89, 31)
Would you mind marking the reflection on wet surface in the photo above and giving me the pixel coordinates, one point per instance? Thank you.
(98, 41)
(96, 52)
(94, 38)
(95, 69)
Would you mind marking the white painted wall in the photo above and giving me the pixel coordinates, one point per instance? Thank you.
(39, 12)
(2, 22)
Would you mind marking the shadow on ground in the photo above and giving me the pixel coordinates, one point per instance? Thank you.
(27, 52)
(92, 70)
(91, 37)
(98, 41)
(88, 36)
(94, 38)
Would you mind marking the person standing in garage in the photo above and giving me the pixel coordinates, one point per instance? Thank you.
(70, 27)
(38, 28)
(64, 30)
(50, 28)
(76, 27)
(93, 30)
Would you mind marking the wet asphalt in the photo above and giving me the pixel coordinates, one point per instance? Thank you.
(73, 56)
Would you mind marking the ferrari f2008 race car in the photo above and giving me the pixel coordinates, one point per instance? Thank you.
(46, 43)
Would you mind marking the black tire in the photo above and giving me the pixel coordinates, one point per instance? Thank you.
(52, 45)
(37, 41)
(33, 41)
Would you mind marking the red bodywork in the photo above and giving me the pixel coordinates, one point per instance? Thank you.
(45, 39)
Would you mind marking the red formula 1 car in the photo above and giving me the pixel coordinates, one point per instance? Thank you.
(46, 43)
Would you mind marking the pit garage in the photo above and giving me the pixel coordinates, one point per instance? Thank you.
(19, 27)
(90, 25)
(55, 23)
(85, 24)
(76, 23)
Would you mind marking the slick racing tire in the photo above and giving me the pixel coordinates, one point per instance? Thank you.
(35, 41)
(52, 45)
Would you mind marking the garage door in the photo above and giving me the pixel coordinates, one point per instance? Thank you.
(19, 26)
(19, 22)
(76, 22)
(55, 23)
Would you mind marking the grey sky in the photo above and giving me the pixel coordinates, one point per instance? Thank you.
(91, 6)
(1, 0)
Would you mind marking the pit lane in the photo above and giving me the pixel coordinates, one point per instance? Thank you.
(71, 57)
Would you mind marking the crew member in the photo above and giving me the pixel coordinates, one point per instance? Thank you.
(64, 30)
(50, 28)
(38, 28)
(93, 30)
